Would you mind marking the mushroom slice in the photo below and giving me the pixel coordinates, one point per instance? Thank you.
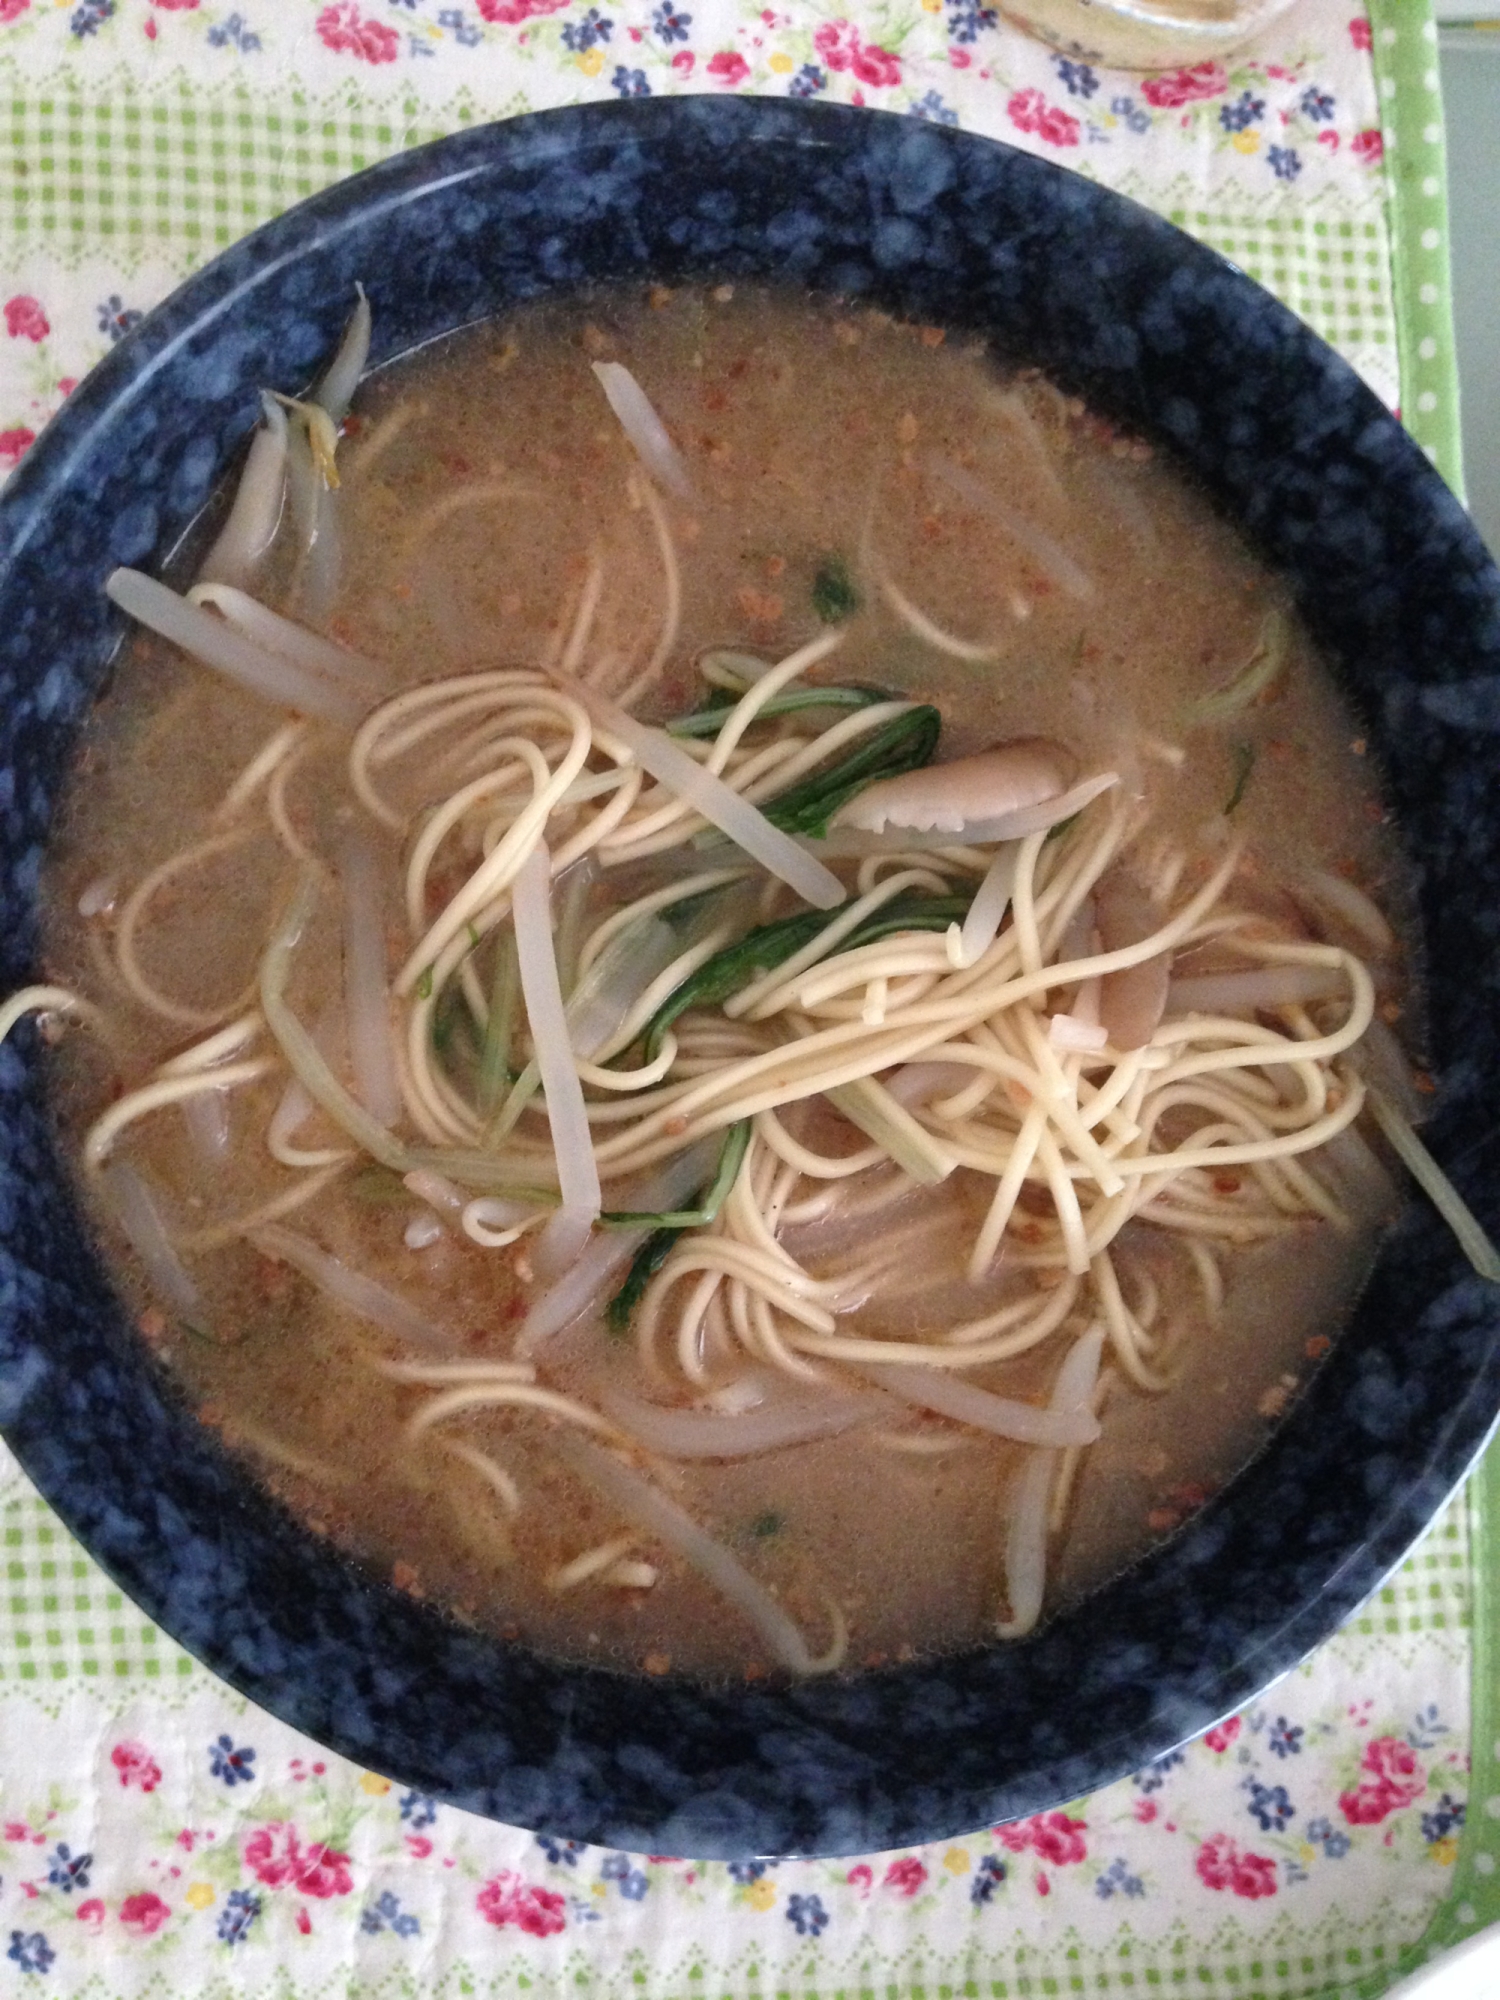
(1132, 1001)
(947, 798)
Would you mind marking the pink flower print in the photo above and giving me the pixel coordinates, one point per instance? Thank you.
(274, 1853)
(133, 1761)
(15, 444)
(860, 1878)
(728, 67)
(323, 1871)
(12, 10)
(1392, 1778)
(877, 66)
(837, 42)
(1185, 86)
(17, 1829)
(25, 320)
(304, 1923)
(1368, 146)
(507, 13)
(905, 1876)
(346, 31)
(175, 6)
(1359, 34)
(508, 1898)
(683, 62)
(1220, 1739)
(418, 1845)
(1223, 1864)
(91, 1913)
(1053, 1836)
(1029, 111)
(144, 1914)
(1145, 1811)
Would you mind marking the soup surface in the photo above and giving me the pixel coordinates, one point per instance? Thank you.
(843, 1205)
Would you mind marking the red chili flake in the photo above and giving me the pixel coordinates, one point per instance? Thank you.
(1227, 1183)
(933, 336)
(1317, 1346)
(1424, 1082)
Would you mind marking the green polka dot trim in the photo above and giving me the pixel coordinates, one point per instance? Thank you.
(1411, 116)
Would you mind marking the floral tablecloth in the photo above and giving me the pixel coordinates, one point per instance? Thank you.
(158, 1834)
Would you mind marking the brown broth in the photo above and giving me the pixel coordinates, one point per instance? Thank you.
(793, 417)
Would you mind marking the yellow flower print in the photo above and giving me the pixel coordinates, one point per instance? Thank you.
(591, 61)
(377, 1787)
(760, 1895)
(1445, 1851)
(1246, 142)
(956, 1861)
(783, 64)
(198, 1896)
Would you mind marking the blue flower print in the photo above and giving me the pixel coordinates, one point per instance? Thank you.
(418, 1810)
(747, 1871)
(240, 1913)
(1317, 104)
(564, 1851)
(69, 1871)
(1446, 1817)
(630, 82)
(1077, 76)
(806, 1915)
(966, 18)
(1118, 1880)
(1285, 1738)
(1427, 1728)
(1284, 163)
(462, 30)
(1130, 112)
(808, 81)
(115, 317)
(619, 1868)
(234, 33)
(1269, 1806)
(387, 1909)
(1155, 1774)
(987, 1879)
(1246, 110)
(1322, 1833)
(234, 1766)
(31, 1951)
(584, 34)
(90, 17)
(932, 106)
(669, 24)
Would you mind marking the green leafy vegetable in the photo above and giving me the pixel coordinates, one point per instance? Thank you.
(1259, 674)
(494, 1056)
(736, 1139)
(1244, 764)
(710, 720)
(764, 1526)
(905, 743)
(644, 1266)
(770, 945)
(834, 597)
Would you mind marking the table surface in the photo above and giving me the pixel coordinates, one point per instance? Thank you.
(157, 1832)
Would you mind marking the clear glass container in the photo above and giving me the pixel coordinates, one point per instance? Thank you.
(1144, 34)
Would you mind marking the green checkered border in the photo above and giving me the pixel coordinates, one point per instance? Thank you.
(61, 1619)
(173, 175)
(1333, 272)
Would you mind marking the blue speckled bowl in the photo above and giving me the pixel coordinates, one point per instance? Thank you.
(1151, 329)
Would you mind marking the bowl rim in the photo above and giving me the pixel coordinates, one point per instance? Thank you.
(809, 1766)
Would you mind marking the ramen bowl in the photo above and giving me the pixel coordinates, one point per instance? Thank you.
(1154, 332)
